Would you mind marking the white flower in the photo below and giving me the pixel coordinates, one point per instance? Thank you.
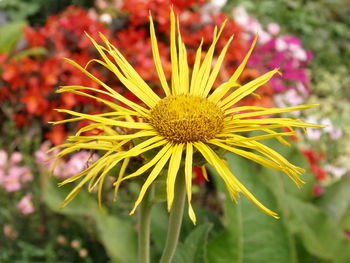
(338, 172)
(240, 15)
(106, 18)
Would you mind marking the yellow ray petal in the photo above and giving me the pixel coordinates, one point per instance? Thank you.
(147, 145)
(106, 121)
(269, 111)
(128, 70)
(91, 175)
(236, 138)
(120, 176)
(174, 166)
(249, 155)
(204, 71)
(206, 152)
(183, 65)
(204, 172)
(196, 65)
(149, 164)
(156, 58)
(106, 102)
(153, 175)
(220, 91)
(232, 182)
(116, 95)
(241, 67)
(173, 55)
(111, 138)
(246, 89)
(216, 69)
(118, 107)
(188, 179)
(286, 122)
(129, 77)
(291, 170)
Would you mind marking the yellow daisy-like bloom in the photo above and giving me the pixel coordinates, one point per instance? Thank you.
(190, 118)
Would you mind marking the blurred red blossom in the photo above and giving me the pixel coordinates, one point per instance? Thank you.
(35, 78)
(314, 160)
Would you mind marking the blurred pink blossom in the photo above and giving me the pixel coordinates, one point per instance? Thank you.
(313, 134)
(77, 163)
(42, 158)
(317, 190)
(25, 205)
(16, 158)
(3, 158)
(273, 28)
(12, 176)
(275, 51)
(65, 168)
(11, 182)
(336, 133)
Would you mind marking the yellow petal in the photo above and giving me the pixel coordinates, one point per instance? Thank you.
(241, 67)
(156, 58)
(116, 95)
(231, 181)
(152, 176)
(188, 179)
(174, 166)
(246, 89)
(216, 69)
(173, 55)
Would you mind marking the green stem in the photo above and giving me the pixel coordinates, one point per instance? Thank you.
(175, 220)
(145, 227)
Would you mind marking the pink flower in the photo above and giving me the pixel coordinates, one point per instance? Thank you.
(347, 234)
(78, 163)
(41, 155)
(317, 190)
(273, 28)
(15, 158)
(3, 158)
(11, 182)
(336, 133)
(25, 205)
(16, 175)
(313, 134)
(26, 175)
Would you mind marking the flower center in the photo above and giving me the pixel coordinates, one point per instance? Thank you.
(186, 118)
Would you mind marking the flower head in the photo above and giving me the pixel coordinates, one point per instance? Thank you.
(190, 118)
(25, 205)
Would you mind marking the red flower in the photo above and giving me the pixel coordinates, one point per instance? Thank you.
(56, 135)
(314, 163)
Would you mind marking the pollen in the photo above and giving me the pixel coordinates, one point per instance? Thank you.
(187, 118)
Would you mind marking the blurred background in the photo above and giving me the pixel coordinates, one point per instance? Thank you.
(308, 40)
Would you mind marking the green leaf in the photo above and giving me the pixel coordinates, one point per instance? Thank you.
(319, 234)
(316, 230)
(194, 248)
(250, 236)
(336, 199)
(117, 235)
(10, 34)
(31, 52)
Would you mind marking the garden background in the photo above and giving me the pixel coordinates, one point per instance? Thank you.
(308, 40)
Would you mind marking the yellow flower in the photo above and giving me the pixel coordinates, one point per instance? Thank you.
(190, 118)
